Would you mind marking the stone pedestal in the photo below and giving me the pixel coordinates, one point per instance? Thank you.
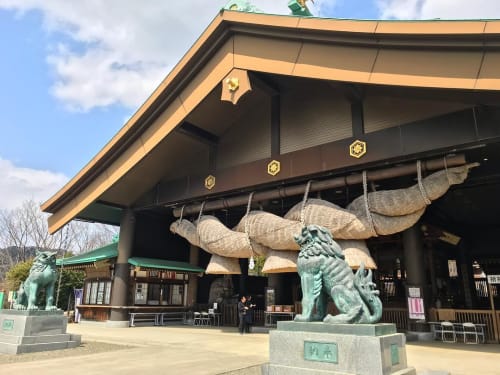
(342, 349)
(34, 331)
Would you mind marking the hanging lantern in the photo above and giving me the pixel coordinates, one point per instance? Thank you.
(251, 264)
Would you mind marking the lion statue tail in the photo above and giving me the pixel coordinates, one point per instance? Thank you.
(366, 288)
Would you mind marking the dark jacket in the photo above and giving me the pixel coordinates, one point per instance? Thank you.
(241, 309)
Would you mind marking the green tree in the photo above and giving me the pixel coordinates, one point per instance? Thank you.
(259, 265)
(18, 273)
(69, 281)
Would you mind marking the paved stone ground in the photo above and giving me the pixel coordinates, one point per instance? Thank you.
(456, 358)
(89, 347)
(199, 350)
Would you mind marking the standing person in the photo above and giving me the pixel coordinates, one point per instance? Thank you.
(242, 311)
(249, 314)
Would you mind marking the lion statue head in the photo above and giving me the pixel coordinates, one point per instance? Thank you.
(43, 259)
(315, 240)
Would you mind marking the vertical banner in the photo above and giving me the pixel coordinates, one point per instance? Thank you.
(78, 301)
(270, 299)
(1, 299)
(416, 308)
(11, 298)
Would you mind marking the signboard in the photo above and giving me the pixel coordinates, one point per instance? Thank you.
(270, 297)
(394, 354)
(414, 292)
(1, 300)
(7, 325)
(494, 279)
(452, 268)
(416, 308)
(320, 351)
(78, 300)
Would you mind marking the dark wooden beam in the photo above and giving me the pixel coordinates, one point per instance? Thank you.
(358, 122)
(264, 83)
(212, 158)
(336, 182)
(275, 126)
(197, 133)
(451, 133)
(351, 91)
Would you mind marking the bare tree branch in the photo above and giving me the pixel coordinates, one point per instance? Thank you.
(25, 228)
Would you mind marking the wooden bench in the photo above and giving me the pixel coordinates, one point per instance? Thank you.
(157, 318)
(154, 317)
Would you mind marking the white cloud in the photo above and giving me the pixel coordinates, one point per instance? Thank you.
(444, 9)
(22, 184)
(119, 51)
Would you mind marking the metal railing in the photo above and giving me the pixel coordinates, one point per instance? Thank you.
(230, 315)
(396, 315)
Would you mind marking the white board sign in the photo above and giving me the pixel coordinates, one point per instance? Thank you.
(494, 279)
(414, 292)
(452, 268)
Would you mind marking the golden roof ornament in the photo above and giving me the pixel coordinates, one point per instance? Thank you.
(235, 85)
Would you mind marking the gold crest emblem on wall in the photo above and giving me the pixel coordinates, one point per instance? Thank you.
(274, 167)
(210, 182)
(357, 149)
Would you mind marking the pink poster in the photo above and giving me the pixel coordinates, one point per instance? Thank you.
(416, 308)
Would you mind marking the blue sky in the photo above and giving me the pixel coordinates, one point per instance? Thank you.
(72, 72)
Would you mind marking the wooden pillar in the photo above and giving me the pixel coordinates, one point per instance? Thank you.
(275, 281)
(466, 274)
(414, 256)
(121, 279)
(192, 290)
(243, 277)
(414, 263)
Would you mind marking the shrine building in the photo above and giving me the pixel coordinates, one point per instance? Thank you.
(385, 132)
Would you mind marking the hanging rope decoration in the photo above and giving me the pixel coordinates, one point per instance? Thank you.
(201, 210)
(180, 219)
(198, 221)
(372, 213)
(182, 212)
(251, 262)
(304, 201)
(446, 170)
(421, 185)
(367, 205)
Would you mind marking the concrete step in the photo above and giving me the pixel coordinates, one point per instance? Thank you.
(28, 340)
(40, 347)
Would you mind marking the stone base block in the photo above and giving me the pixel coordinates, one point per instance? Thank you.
(343, 349)
(34, 331)
(269, 369)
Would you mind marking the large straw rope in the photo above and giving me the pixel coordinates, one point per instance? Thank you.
(379, 212)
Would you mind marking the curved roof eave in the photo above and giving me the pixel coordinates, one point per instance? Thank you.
(178, 94)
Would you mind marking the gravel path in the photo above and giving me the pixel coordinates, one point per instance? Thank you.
(88, 347)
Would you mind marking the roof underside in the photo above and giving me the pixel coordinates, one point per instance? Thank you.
(458, 55)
